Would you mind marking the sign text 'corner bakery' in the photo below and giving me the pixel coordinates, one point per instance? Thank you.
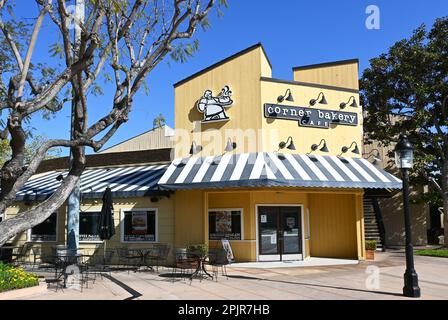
(272, 165)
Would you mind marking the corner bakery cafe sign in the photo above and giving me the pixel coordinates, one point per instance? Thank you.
(309, 117)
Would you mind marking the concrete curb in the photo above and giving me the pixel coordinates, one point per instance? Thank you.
(20, 293)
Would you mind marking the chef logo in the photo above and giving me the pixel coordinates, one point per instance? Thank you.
(214, 108)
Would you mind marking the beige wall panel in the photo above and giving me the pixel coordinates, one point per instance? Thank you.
(333, 226)
(344, 75)
(242, 74)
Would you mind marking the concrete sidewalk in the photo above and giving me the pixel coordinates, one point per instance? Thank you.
(319, 282)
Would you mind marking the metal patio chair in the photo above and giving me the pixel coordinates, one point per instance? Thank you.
(217, 258)
(128, 258)
(184, 264)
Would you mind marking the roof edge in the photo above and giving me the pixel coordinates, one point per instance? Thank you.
(326, 64)
(221, 62)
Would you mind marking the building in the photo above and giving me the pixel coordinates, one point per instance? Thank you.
(272, 165)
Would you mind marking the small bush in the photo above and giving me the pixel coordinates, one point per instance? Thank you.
(198, 248)
(16, 278)
(370, 245)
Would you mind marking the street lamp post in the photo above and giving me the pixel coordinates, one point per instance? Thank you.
(404, 161)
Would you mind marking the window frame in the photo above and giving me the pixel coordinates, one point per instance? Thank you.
(156, 227)
(241, 210)
(86, 241)
(28, 233)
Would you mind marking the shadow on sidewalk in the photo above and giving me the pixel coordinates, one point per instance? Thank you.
(316, 285)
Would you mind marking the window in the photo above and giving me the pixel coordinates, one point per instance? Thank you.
(139, 225)
(88, 226)
(225, 224)
(46, 231)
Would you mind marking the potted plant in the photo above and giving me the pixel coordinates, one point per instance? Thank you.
(198, 249)
(370, 249)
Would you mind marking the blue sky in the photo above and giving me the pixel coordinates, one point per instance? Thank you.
(293, 32)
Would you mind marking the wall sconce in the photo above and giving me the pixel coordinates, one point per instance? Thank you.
(287, 96)
(322, 142)
(355, 149)
(353, 104)
(321, 101)
(195, 148)
(230, 145)
(289, 146)
(376, 157)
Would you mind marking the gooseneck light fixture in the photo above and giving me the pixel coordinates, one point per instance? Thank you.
(230, 145)
(354, 104)
(320, 99)
(375, 153)
(344, 149)
(404, 156)
(322, 142)
(288, 144)
(287, 96)
(195, 149)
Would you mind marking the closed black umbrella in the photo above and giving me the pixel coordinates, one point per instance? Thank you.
(106, 220)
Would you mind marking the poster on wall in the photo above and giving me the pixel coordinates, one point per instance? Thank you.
(225, 224)
(223, 221)
(139, 222)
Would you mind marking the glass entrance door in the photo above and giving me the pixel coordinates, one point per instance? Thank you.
(279, 233)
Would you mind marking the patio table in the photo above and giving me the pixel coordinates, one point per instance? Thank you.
(143, 254)
(200, 269)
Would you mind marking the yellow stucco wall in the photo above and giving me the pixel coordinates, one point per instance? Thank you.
(340, 75)
(165, 226)
(248, 76)
(336, 219)
(242, 75)
(337, 136)
(336, 223)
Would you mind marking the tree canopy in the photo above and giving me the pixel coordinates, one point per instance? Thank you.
(117, 42)
(406, 91)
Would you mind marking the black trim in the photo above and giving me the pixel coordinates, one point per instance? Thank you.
(219, 63)
(308, 84)
(326, 64)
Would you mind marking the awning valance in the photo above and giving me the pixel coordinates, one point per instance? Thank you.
(124, 182)
(275, 170)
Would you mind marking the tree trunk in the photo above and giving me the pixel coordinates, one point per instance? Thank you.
(28, 219)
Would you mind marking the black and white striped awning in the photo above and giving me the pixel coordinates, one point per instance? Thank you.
(123, 181)
(273, 169)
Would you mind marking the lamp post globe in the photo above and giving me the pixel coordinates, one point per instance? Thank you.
(404, 160)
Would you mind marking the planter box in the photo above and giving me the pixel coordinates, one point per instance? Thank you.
(370, 254)
(21, 293)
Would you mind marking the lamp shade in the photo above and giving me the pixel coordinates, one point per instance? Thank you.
(404, 153)
(291, 146)
(324, 148)
(323, 100)
(289, 97)
(230, 146)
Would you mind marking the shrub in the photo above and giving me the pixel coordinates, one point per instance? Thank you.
(198, 248)
(16, 278)
(370, 245)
